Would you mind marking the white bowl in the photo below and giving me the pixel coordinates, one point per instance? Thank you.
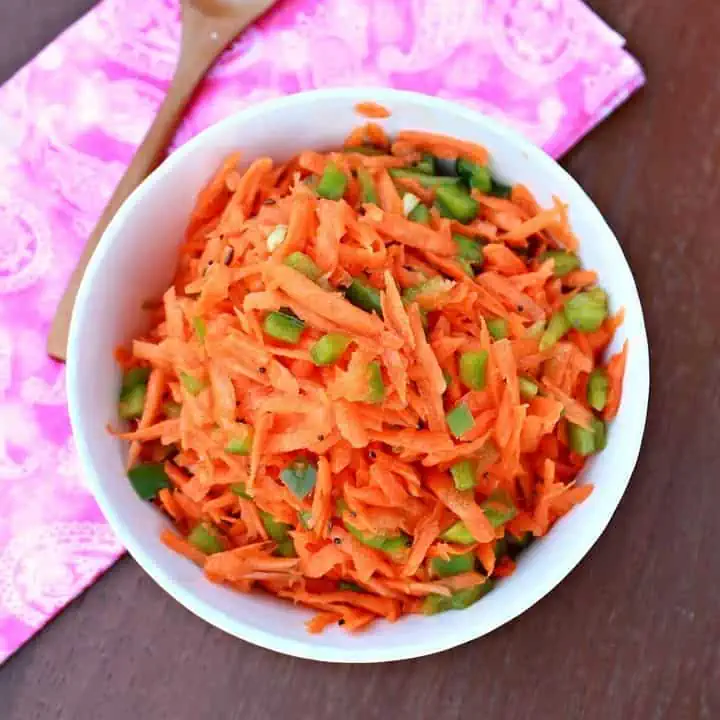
(135, 261)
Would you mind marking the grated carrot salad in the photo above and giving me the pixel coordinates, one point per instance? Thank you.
(375, 379)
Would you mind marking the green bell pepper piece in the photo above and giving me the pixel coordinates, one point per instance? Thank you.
(303, 264)
(586, 311)
(420, 214)
(132, 402)
(597, 389)
(456, 203)
(204, 538)
(498, 328)
(563, 262)
(147, 479)
(460, 420)
(528, 388)
(300, 477)
(472, 369)
(557, 328)
(376, 386)
(329, 348)
(454, 566)
(284, 327)
(468, 249)
(368, 194)
(364, 296)
(463, 474)
(476, 176)
(459, 600)
(333, 182)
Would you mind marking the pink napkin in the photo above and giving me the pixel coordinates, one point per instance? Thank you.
(71, 119)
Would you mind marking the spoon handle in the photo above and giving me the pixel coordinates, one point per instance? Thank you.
(203, 38)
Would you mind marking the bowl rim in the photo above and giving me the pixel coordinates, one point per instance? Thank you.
(432, 643)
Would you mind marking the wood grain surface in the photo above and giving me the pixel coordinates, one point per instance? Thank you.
(634, 632)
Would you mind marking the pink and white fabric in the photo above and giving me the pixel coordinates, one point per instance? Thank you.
(71, 119)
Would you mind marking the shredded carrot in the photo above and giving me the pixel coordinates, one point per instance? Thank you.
(616, 372)
(372, 110)
(321, 375)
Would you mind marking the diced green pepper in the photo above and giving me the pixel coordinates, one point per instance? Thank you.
(304, 517)
(458, 533)
(386, 543)
(472, 367)
(284, 327)
(364, 296)
(598, 295)
(285, 548)
(278, 531)
(468, 249)
(600, 433)
(147, 479)
(333, 182)
(300, 477)
(463, 474)
(460, 420)
(329, 348)
(500, 190)
(395, 543)
(427, 181)
(556, 330)
(132, 393)
(204, 538)
(434, 604)
(420, 214)
(431, 286)
(240, 489)
(528, 388)
(303, 264)
(477, 176)
(426, 164)
(459, 600)
(582, 440)
(376, 386)
(368, 194)
(199, 327)
(465, 598)
(563, 262)
(497, 327)
(454, 566)
(586, 311)
(500, 548)
(241, 445)
(134, 377)
(132, 402)
(597, 389)
(466, 266)
(457, 203)
(498, 515)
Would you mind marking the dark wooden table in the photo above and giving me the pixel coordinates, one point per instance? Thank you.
(634, 632)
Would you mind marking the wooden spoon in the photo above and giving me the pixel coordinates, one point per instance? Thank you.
(208, 27)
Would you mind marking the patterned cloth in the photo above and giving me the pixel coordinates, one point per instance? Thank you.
(71, 119)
